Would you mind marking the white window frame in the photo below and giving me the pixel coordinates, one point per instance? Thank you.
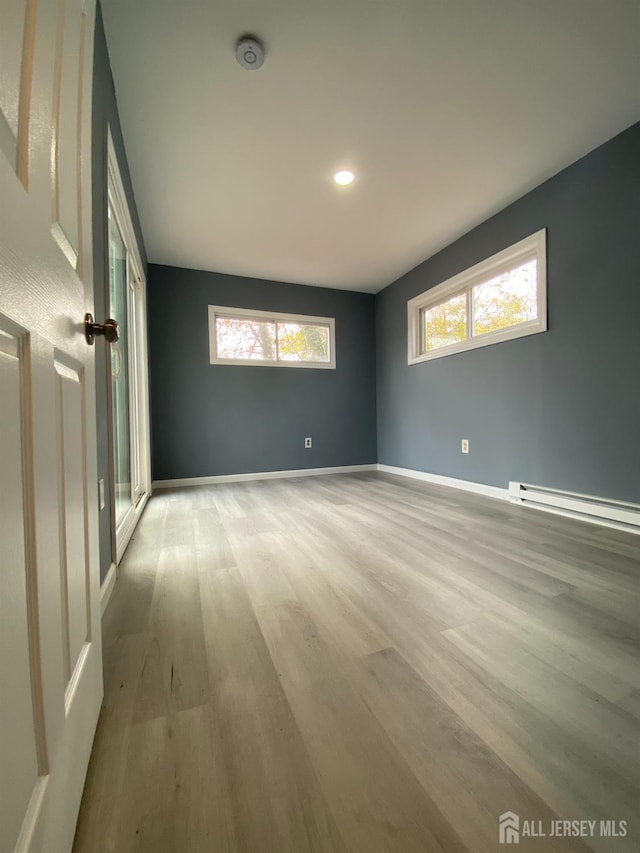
(216, 311)
(139, 424)
(532, 247)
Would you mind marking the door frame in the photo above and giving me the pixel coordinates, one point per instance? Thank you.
(116, 199)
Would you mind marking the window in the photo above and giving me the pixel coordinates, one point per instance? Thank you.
(498, 299)
(262, 338)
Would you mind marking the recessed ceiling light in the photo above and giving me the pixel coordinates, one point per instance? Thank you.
(344, 177)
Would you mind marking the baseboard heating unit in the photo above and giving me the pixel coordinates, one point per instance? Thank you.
(610, 513)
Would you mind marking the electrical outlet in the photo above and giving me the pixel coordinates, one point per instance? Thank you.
(307, 443)
(465, 445)
(101, 493)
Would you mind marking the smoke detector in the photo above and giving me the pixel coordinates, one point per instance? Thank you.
(250, 53)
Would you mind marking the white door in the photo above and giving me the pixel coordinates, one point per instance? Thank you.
(50, 645)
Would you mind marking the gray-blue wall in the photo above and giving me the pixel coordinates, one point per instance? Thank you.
(225, 419)
(559, 409)
(104, 115)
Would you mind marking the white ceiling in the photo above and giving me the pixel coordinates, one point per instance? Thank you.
(445, 110)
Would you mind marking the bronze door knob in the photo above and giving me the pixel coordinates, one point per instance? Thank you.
(110, 329)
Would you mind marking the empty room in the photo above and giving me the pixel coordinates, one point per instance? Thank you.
(320, 426)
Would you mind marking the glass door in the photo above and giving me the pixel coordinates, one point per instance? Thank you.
(120, 380)
(131, 463)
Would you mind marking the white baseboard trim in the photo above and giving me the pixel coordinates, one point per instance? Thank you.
(107, 587)
(452, 482)
(582, 512)
(261, 475)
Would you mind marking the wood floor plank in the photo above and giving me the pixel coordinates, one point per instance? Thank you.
(259, 562)
(498, 713)
(607, 733)
(132, 595)
(363, 663)
(574, 657)
(167, 808)
(376, 799)
(467, 780)
(631, 703)
(271, 785)
(107, 783)
(335, 614)
(174, 676)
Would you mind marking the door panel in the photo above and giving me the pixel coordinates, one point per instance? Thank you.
(68, 86)
(70, 404)
(16, 70)
(13, 22)
(18, 754)
(13, 19)
(50, 652)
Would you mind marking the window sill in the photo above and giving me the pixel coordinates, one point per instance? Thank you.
(533, 328)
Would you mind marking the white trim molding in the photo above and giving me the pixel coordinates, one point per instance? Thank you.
(606, 512)
(107, 587)
(620, 515)
(118, 199)
(452, 482)
(137, 353)
(261, 475)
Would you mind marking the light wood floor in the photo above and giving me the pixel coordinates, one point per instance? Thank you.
(368, 664)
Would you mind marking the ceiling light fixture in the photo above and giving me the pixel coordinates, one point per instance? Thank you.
(344, 177)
